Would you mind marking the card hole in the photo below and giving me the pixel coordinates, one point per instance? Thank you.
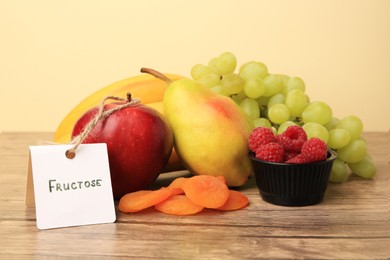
(70, 154)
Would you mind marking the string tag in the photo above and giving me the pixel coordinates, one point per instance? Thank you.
(70, 192)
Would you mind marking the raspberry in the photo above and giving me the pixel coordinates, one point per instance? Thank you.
(289, 155)
(297, 159)
(293, 138)
(271, 152)
(314, 150)
(259, 137)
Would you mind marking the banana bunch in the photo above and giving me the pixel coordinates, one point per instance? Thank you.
(147, 88)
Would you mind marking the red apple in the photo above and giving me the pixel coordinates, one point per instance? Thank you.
(139, 143)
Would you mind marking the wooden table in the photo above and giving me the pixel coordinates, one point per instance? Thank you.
(351, 223)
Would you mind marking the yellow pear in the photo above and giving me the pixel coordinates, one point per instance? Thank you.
(210, 131)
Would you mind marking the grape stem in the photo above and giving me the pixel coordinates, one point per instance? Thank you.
(156, 74)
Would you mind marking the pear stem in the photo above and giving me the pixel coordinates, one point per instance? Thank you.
(156, 74)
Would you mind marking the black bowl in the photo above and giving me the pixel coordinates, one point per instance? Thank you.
(292, 184)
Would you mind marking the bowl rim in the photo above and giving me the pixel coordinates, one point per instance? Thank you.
(331, 156)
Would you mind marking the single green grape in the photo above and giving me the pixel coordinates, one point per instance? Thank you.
(295, 83)
(353, 152)
(364, 168)
(353, 124)
(218, 90)
(273, 85)
(332, 124)
(278, 113)
(276, 99)
(339, 172)
(296, 101)
(213, 64)
(238, 97)
(285, 78)
(210, 80)
(338, 138)
(232, 83)
(313, 129)
(226, 63)
(261, 122)
(317, 112)
(200, 70)
(253, 69)
(251, 107)
(308, 99)
(254, 87)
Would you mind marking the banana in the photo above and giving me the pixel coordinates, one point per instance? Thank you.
(145, 87)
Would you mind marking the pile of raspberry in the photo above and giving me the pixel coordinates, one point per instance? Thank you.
(292, 146)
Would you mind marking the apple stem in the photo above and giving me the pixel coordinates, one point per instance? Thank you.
(156, 74)
(129, 97)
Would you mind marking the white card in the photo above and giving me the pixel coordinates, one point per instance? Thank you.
(70, 192)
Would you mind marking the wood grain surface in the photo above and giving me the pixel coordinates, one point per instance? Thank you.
(353, 221)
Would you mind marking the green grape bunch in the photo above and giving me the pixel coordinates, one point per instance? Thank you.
(277, 101)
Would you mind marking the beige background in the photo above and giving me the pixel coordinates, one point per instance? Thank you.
(54, 53)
